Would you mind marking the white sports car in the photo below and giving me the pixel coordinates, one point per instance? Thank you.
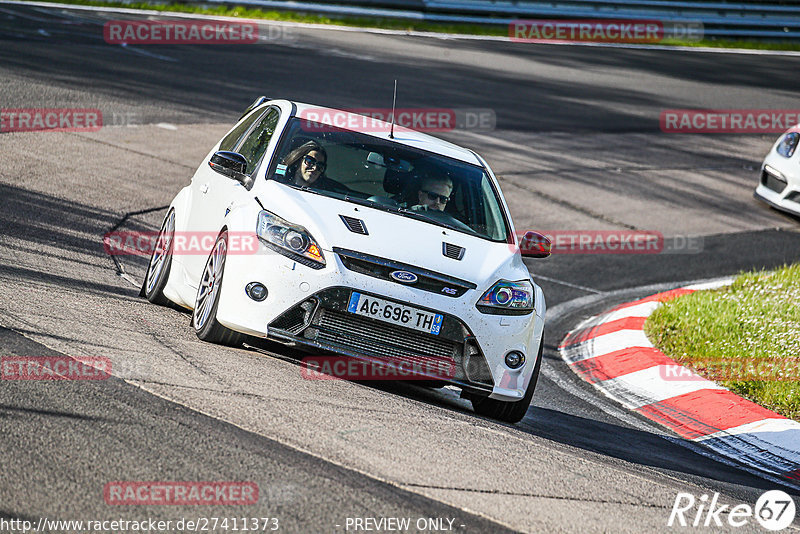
(385, 245)
(779, 185)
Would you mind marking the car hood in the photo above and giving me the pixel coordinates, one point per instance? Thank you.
(393, 236)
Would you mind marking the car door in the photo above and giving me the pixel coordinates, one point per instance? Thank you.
(214, 193)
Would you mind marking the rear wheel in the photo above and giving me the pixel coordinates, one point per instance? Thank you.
(204, 316)
(510, 412)
(160, 263)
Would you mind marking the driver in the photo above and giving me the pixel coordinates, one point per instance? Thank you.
(434, 194)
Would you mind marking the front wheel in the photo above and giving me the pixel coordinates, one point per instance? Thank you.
(204, 316)
(160, 263)
(510, 412)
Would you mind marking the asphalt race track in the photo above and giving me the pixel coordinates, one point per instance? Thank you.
(577, 145)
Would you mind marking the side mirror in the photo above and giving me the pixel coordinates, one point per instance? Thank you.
(230, 164)
(534, 245)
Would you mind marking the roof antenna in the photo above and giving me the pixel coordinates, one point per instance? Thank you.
(394, 101)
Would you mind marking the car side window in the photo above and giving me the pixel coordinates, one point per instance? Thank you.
(232, 139)
(257, 141)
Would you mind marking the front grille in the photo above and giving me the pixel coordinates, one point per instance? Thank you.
(453, 251)
(773, 182)
(794, 196)
(382, 268)
(332, 327)
(354, 225)
(372, 336)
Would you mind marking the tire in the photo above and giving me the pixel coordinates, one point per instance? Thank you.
(160, 264)
(510, 412)
(204, 316)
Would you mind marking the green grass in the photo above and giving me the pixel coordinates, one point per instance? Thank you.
(394, 24)
(747, 331)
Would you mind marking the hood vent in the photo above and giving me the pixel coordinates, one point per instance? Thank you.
(453, 251)
(356, 226)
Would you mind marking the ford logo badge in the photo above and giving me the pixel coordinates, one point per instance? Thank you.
(404, 277)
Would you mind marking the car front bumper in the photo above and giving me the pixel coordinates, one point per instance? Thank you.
(778, 185)
(474, 342)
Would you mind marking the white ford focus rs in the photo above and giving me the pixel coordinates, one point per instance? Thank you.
(380, 244)
(779, 183)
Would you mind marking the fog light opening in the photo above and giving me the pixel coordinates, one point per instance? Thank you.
(256, 291)
(309, 306)
(515, 359)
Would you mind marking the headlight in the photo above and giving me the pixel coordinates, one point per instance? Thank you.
(788, 144)
(507, 298)
(289, 239)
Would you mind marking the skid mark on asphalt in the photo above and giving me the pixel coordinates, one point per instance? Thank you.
(163, 342)
(745, 165)
(565, 203)
(535, 495)
(132, 151)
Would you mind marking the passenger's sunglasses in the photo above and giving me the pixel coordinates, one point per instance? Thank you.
(436, 196)
(312, 162)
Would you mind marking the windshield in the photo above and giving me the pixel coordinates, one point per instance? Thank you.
(366, 170)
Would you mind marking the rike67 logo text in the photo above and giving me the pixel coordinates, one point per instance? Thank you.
(774, 510)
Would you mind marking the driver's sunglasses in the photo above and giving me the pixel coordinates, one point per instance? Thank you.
(436, 196)
(311, 161)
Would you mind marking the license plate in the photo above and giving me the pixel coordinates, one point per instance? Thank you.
(393, 313)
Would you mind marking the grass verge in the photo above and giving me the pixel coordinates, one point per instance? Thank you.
(393, 24)
(745, 336)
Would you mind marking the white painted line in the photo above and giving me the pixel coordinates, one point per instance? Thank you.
(648, 386)
(166, 126)
(131, 280)
(434, 35)
(148, 54)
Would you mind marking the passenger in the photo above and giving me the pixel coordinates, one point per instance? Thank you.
(305, 167)
(434, 194)
(306, 164)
